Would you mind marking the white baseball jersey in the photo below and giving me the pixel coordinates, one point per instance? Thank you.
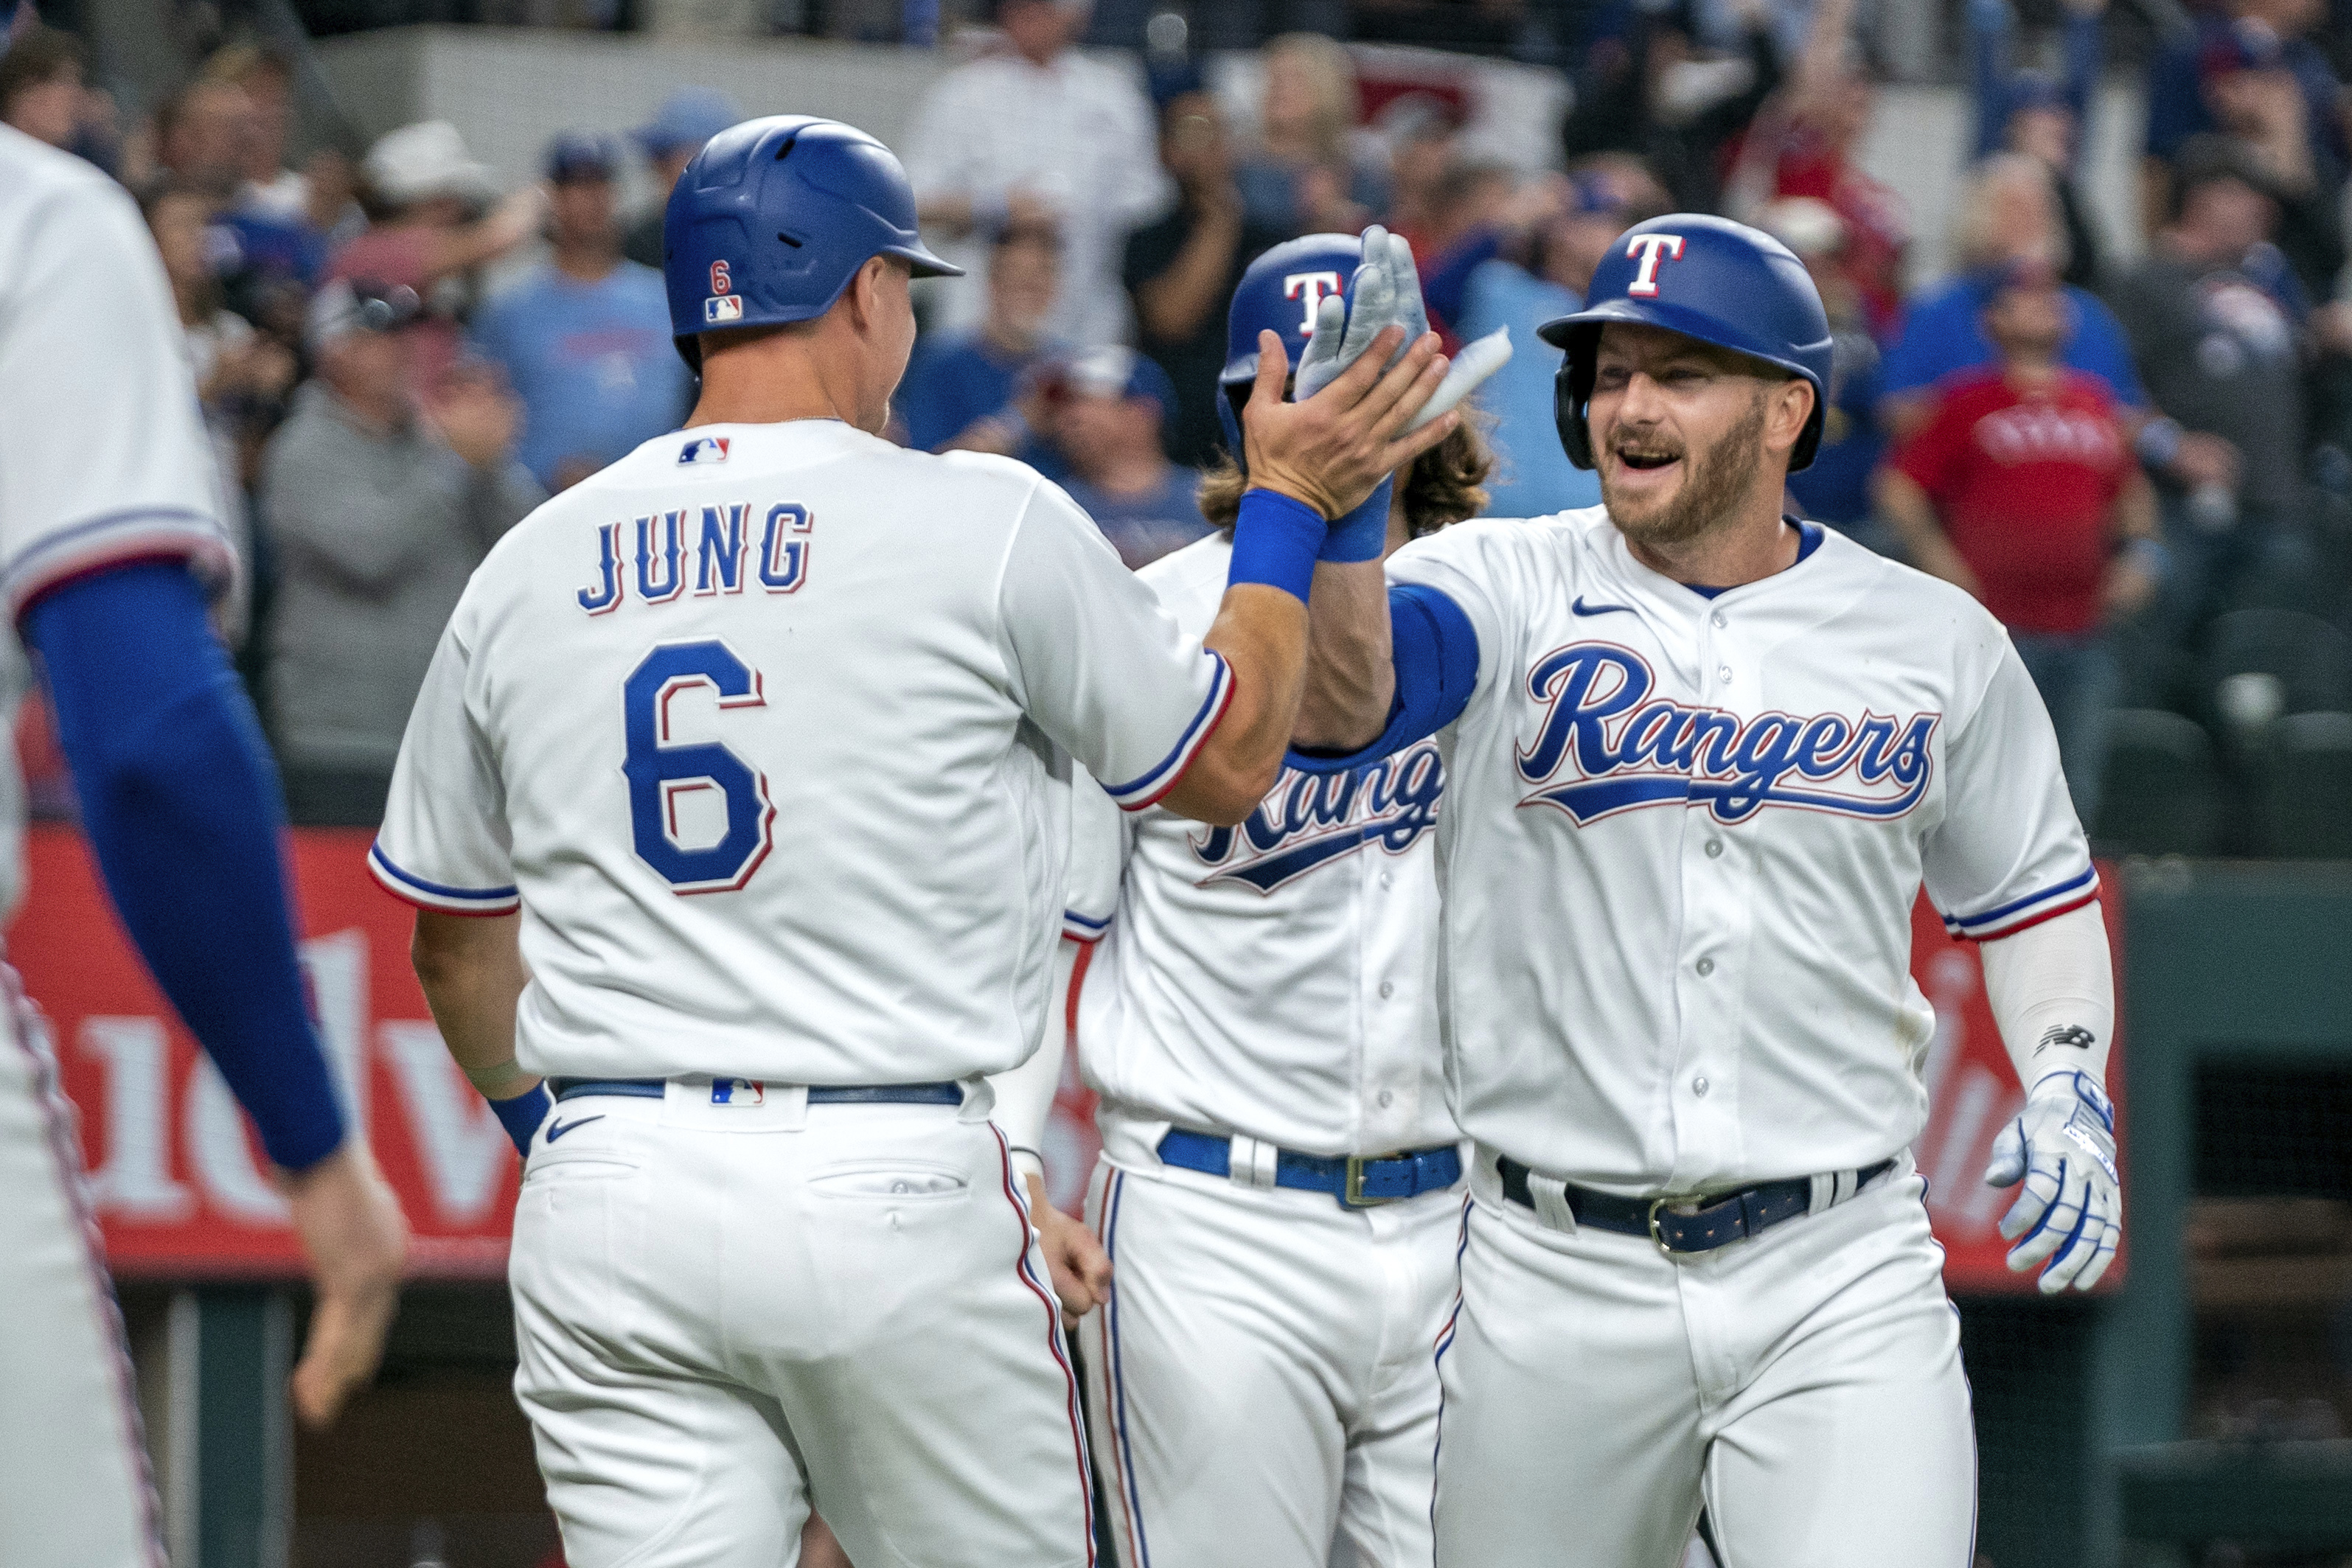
(766, 729)
(103, 454)
(1683, 837)
(1276, 979)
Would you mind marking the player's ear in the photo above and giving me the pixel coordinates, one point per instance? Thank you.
(1787, 408)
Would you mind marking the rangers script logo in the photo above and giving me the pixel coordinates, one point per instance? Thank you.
(1624, 749)
(1311, 820)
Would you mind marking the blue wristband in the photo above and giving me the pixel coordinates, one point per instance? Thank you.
(1274, 541)
(521, 1115)
(1362, 534)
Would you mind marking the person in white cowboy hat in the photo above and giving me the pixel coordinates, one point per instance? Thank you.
(435, 216)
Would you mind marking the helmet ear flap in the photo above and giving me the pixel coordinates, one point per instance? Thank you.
(1571, 398)
(1229, 417)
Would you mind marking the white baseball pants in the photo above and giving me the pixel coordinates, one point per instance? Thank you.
(1806, 1384)
(1261, 1383)
(74, 1487)
(728, 1314)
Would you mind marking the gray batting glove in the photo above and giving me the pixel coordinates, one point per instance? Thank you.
(1385, 292)
(2070, 1210)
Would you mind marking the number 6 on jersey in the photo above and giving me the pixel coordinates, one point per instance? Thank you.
(664, 778)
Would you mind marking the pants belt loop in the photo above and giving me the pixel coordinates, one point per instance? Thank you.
(1825, 1193)
(979, 1100)
(1253, 1163)
(1848, 1183)
(1550, 1196)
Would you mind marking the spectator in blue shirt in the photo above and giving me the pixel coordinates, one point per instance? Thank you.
(1109, 407)
(585, 339)
(964, 390)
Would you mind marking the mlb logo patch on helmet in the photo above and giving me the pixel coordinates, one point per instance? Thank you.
(704, 449)
(727, 307)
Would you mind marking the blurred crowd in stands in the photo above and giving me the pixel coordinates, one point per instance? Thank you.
(2132, 447)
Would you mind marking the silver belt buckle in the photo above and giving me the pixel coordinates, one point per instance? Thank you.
(1352, 1192)
(1695, 1201)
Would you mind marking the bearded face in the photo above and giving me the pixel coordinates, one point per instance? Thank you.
(1678, 433)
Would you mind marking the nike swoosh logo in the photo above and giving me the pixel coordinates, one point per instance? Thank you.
(557, 1129)
(1581, 608)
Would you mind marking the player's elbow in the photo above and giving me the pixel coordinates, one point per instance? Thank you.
(1222, 791)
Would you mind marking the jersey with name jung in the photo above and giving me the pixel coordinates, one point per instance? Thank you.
(1276, 979)
(87, 322)
(768, 729)
(1683, 839)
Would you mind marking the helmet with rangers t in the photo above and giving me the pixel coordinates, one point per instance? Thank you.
(1279, 292)
(773, 217)
(1706, 278)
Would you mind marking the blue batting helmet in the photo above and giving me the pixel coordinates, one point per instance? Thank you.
(1280, 292)
(1707, 278)
(773, 217)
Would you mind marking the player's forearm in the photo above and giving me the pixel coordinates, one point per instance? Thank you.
(2052, 988)
(1261, 632)
(1351, 681)
(1024, 1095)
(472, 971)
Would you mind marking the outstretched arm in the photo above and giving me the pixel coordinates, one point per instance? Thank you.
(180, 807)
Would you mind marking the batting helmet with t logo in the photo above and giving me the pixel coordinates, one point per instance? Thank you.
(1279, 293)
(1707, 278)
(772, 220)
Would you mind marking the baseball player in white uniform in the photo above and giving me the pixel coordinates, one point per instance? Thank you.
(1700, 757)
(754, 751)
(1279, 1191)
(111, 545)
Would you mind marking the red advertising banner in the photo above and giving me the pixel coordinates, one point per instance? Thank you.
(179, 1183)
(181, 1190)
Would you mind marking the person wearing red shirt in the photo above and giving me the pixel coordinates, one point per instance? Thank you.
(2023, 488)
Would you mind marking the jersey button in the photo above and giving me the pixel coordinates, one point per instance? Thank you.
(1386, 879)
(1721, 620)
(1698, 1086)
(1723, 672)
(1387, 1099)
(1714, 849)
(1387, 989)
(1706, 967)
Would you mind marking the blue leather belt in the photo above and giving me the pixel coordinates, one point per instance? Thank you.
(1685, 1224)
(1355, 1181)
(818, 1094)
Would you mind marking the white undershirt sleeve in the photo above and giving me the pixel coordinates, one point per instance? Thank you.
(1024, 1095)
(2053, 987)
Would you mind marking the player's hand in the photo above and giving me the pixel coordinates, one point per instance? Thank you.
(1331, 450)
(1080, 1267)
(2070, 1210)
(352, 1233)
(1385, 292)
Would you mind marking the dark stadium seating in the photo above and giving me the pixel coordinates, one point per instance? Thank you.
(2308, 786)
(2311, 659)
(2162, 791)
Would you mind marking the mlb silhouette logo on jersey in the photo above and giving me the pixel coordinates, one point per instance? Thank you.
(1310, 820)
(1313, 288)
(704, 449)
(1629, 750)
(1652, 248)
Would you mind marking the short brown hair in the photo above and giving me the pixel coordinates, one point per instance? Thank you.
(37, 60)
(1446, 483)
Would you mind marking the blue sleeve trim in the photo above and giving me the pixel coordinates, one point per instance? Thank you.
(1435, 651)
(477, 894)
(1163, 775)
(179, 805)
(1973, 924)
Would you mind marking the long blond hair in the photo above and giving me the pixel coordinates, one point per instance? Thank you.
(1446, 483)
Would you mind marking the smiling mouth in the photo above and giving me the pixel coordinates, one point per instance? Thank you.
(1647, 461)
